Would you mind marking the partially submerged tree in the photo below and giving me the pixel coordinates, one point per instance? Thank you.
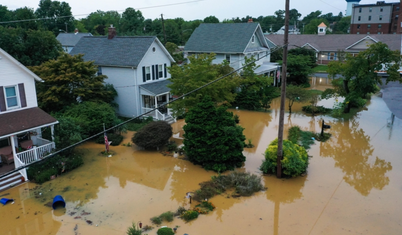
(153, 135)
(212, 138)
(295, 94)
(359, 73)
(299, 68)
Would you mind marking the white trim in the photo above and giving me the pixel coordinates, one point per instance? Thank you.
(29, 72)
(310, 46)
(366, 37)
(17, 97)
(26, 130)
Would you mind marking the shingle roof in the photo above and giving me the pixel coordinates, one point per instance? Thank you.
(157, 87)
(25, 119)
(334, 42)
(119, 51)
(221, 37)
(70, 39)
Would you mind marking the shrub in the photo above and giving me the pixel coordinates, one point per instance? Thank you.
(189, 215)
(180, 211)
(315, 109)
(204, 207)
(172, 146)
(168, 216)
(137, 124)
(115, 138)
(133, 230)
(153, 135)
(156, 220)
(212, 138)
(236, 118)
(165, 231)
(294, 162)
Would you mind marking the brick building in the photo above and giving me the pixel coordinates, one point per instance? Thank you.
(378, 18)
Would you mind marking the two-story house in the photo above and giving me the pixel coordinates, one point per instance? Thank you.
(136, 66)
(232, 42)
(21, 121)
(69, 40)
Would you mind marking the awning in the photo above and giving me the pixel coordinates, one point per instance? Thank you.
(155, 88)
(24, 120)
(266, 67)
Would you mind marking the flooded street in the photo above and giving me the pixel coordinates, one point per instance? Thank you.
(353, 185)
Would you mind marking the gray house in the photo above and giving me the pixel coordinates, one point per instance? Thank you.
(69, 40)
(232, 42)
(137, 68)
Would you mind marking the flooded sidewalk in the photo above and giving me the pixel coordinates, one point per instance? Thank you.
(353, 185)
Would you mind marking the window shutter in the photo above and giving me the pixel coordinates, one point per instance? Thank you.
(157, 71)
(143, 74)
(165, 71)
(153, 72)
(23, 98)
(2, 100)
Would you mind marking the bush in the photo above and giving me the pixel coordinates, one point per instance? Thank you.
(168, 216)
(153, 135)
(115, 138)
(165, 231)
(212, 138)
(172, 146)
(137, 124)
(189, 215)
(317, 109)
(294, 162)
(156, 220)
(133, 230)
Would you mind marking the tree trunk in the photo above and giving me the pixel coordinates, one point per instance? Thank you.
(346, 87)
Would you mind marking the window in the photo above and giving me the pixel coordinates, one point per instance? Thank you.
(160, 71)
(253, 39)
(380, 17)
(360, 10)
(321, 30)
(148, 73)
(227, 58)
(381, 9)
(99, 71)
(331, 56)
(396, 17)
(369, 18)
(11, 97)
(358, 26)
(379, 26)
(359, 18)
(370, 9)
(369, 26)
(397, 9)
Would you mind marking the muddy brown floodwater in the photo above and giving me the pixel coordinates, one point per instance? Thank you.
(353, 185)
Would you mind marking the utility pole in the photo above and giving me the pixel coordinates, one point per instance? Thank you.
(163, 28)
(283, 94)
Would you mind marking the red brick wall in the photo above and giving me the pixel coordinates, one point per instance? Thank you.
(385, 29)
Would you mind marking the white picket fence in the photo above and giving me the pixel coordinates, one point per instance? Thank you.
(36, 153)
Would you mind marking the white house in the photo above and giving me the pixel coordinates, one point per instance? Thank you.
(21, 121)
(232, 42)
(137, 68)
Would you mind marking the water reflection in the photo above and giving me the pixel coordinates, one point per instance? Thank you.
(350, 147)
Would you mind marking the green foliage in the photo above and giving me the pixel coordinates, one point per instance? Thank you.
(56, 11)
(312, 26)
(165, 231)
(322, 68)
(249, 144)
(296, 94)
(167, 216)
(212, 138)
(41, 172)
(294, 162)
(172, 146)
(133, 230)
(67, 132)
(299, 68)
(153, 135)
(69, 80)
(211, 19)
(137, 124)
(305, 52)
(199, 72)
(115, 138)
(189, 215)
(236, 118)
(206, 205)
(156, 220)
(174, 51)
(132, 21)
(316, 109)
(245, 184)
(299, 137)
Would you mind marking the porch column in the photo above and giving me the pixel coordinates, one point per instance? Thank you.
(13, 148)
(52, 131)
(156, 102)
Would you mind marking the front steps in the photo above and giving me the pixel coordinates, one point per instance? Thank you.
(10, 181)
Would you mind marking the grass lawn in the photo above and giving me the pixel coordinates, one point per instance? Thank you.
(321, 68)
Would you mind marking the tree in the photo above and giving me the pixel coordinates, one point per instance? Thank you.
(58, 13)
(211, 19)
(312, 26)
(358, 73)
(313, 96)
(298, 69)
(30, 47)
(132, 21)
(313, 15)
(69, 80)
(98, 22)
(295, 94)
(212, 138)
(25, 13)
(342, 26)
(67, 132)
(153, 135)
(173, 50)
(197, 73)
(307, 52)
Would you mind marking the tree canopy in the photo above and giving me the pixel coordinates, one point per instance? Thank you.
(58, 13)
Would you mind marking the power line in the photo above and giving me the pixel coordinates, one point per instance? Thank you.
(139, 116)
(69, 16)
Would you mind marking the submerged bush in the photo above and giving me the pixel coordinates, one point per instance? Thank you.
(294, 162)
(133, 230)
(165, 231)
(189, 215)
(153, 135)
(315, 109)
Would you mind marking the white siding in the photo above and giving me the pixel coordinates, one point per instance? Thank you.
(12, 74)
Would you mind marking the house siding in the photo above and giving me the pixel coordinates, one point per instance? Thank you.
(12, 75)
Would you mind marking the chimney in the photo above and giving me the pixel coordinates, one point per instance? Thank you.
(76, 31)
(112, 32)
(250, 20)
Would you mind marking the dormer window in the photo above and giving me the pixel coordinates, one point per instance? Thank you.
(11, 97)
(253, 39)
(321, 30)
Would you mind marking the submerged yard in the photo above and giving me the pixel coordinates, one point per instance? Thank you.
(353, 185)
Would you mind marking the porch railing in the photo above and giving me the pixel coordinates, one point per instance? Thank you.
(156, 114)
(35, 153)
(40, 141)
(18, 163)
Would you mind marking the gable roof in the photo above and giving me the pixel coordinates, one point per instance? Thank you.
(334, 42)
(322, 25)
(119, 51)
(70, 39)
(223, 37)
(25, 69)
(157, 88)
